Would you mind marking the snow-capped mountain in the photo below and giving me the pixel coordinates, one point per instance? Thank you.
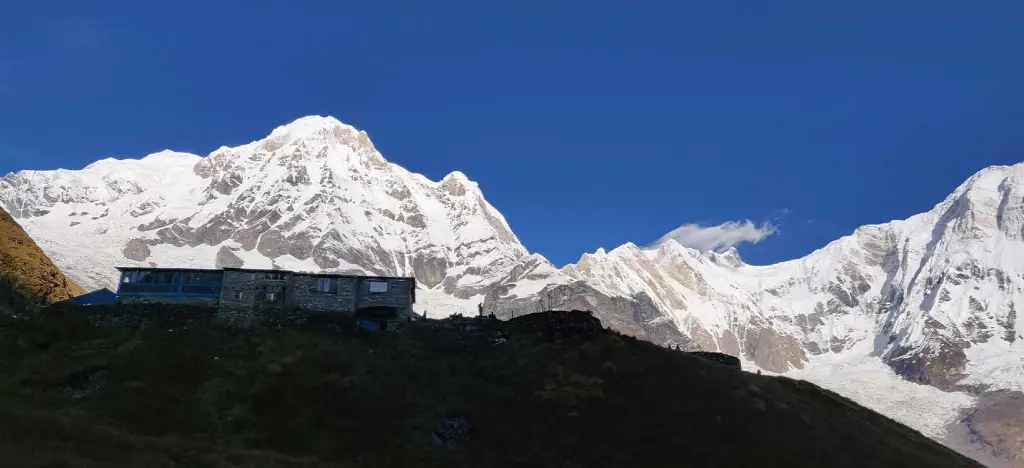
(931, 299)
(935, 295)
(314, 195)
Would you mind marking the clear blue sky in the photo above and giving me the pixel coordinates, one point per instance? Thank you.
(587, 123)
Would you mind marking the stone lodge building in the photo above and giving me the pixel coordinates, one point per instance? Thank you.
(236, 289)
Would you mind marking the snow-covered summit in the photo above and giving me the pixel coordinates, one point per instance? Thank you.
(926, 293)
(314, 194)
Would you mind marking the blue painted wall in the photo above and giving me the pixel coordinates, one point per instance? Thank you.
(175, 283)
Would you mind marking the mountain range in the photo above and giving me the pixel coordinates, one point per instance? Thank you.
(928, 302)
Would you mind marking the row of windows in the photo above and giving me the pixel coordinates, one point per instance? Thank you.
(168, 288)
(149, 288)
(329, 285)
(170, 277)
(268, 296)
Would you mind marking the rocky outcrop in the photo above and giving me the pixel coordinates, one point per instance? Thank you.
(28, 279)
(940, 364)
(992, 431)
(721, 358)
(636, 317)
(772, 350)
(136, 249)
(227, 259)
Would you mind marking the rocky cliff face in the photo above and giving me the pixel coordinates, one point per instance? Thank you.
(28, 278)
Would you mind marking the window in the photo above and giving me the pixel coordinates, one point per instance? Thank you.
(378, 286)
(210, 290)
(272, 296)
(274, 276)
(323, 285)
(237, 295)
(203, 277)
(163, 277)
(148, 276)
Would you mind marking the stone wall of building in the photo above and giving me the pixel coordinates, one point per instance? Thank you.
(244, 297)
(193, 301)
(339, 297)
(145, 299)
(398, 294)
(140, 314)
(199, 301)
(248, 289)
(238, 290)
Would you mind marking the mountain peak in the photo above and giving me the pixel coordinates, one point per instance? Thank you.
(309, 124)
(318, 129)
(456, 175)
(730, 258)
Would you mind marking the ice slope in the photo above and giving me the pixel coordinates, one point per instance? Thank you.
(870, 382)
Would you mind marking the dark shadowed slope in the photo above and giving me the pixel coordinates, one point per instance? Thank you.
(549, 389)
(28, 278)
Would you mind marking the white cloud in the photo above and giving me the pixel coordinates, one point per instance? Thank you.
(721, 237)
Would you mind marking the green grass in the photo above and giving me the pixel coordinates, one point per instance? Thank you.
(175, 394)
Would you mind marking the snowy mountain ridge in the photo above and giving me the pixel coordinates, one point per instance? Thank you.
(313, 195)
(933, 298)
(935, 294)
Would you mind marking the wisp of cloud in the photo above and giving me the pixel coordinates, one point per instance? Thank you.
(719, 238)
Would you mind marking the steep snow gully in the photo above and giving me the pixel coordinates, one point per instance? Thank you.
(915, 318)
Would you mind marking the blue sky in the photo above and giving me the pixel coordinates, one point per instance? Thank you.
(587, 123)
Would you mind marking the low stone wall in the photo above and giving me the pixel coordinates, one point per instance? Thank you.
(169, 300)
(724, 359)
(139, 314)
(236, 317)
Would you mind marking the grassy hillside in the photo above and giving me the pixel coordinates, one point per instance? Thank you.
(549, 389)
(28, 278)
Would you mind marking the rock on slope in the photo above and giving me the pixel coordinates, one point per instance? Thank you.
(28, 278)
